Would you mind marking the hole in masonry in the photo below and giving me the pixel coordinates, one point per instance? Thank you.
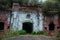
(28, 27)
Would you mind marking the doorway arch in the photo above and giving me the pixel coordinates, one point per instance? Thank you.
(28, 27)
(1, 25)
(51, 26)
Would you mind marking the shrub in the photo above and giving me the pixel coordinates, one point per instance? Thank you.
(33, 33)
(46, 34)
(58, 35)
(1, 37)
(12, 34)
(22, 32)
(40, 32)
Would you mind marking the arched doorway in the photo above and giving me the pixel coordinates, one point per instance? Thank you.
(51, 26)
(1, 26)
(28, 27)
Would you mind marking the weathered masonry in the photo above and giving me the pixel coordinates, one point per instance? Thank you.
(51, 25)
(27, 18)
(51, 22)
(4, 21)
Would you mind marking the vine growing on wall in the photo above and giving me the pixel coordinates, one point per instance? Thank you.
(6, 4)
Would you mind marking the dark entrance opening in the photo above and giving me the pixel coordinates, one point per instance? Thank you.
(28, 27)
(1, 26)
(51, 26)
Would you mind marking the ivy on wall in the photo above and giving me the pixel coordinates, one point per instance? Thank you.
(5, 4)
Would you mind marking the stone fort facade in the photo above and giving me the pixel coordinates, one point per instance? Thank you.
(29, 18)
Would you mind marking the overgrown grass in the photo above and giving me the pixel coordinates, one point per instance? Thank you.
(21, 32)
(12, 34)
(58, 35)
(34, 33)
(8, 35)
(40, 33)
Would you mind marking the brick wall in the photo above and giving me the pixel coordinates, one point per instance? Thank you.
(3, 18)
(47, 21)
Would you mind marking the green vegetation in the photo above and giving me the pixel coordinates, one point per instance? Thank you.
(8, 35)
(13, 34)
(40, 32)
(6, 4)
(22, 32)
(58, 35)
(47, 6)
(33, 33)
(26, 2)
(50, 6)
(18, 33)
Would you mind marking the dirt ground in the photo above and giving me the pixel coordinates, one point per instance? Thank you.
(30, 38)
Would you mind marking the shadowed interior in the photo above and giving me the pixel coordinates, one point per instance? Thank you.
(28, 27)
(1, 25)
(51, 26)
